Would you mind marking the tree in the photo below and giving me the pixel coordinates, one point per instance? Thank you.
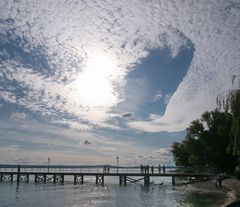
(231, 104)
(205, 143)
(214, 139)
(180, 154)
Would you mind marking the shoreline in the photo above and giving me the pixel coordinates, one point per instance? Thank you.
(230, 190)
(234, 193)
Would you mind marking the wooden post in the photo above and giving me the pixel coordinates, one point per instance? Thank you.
(62, 178)
(27, 178)
(54, 178)
(81, 179)
(75, 179)
(102, 180)
(146, 180)
(44, 178)
(1, 177)
(35, 179)
(173, 180)
(96, 179)
(120, 180)
(125, 180)
(18, 173)
(11, 179)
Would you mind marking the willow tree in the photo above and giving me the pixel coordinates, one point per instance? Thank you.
(231, 104)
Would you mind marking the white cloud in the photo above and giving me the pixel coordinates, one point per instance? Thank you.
(19, 117)
(125, 30)
(157, 96)
(161, 156)
(72, 124)
(167, 98)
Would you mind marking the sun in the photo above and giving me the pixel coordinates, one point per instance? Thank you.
(94, 86)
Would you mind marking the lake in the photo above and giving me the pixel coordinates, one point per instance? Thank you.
(110, 195)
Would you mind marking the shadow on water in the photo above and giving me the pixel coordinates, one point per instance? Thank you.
(203, 200)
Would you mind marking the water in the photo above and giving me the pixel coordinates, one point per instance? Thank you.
(110, 195)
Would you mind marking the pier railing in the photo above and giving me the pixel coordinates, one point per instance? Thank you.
(76, 169)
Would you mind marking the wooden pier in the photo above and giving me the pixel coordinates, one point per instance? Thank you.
(57, 173)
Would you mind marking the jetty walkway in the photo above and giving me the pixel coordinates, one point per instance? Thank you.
(57, 173)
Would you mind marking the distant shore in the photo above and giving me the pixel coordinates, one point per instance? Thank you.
(230, 190)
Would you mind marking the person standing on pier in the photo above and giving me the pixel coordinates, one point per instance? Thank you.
(163, 167)
(159, 168)
(152, 169)
(237, 170)
(220, 179)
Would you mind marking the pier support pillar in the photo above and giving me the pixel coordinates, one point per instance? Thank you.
(173, 180)
(75, 179)
(96, 179)
(54, 178)
(81, 179)
(62, 179)
(1, 177)
(27, 178)
(125, 180)
(44, 178)
(120, 180)
(35, 178)
(18, 173)
(146, 180)
(11, 178)
(100, 179)
(78, 178)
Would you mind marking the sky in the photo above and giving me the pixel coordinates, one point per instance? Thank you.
(85, 82)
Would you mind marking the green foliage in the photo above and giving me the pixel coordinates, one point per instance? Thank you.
(231, 105)
(212, 141)
(180, 154)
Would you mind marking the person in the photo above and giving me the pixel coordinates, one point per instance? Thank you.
(163, 169)
(237, 171)
(108, 168)
(220, 179)
(159, 168)
(216, 182)
(147, 169)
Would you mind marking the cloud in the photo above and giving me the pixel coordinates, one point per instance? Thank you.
(18, 117)
(127, 115)
(72, 124)
(86, 142)
(155, 157)
(163, 152)
(167, 98)
(157, 96)
(65, 35)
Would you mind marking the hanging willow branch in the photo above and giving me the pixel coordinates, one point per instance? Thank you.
(230, 103)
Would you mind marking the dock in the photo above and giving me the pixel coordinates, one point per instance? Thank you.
(57, 173)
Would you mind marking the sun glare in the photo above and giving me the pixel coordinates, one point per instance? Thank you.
(94, 86)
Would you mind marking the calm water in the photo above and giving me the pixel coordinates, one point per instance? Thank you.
(111, 195)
